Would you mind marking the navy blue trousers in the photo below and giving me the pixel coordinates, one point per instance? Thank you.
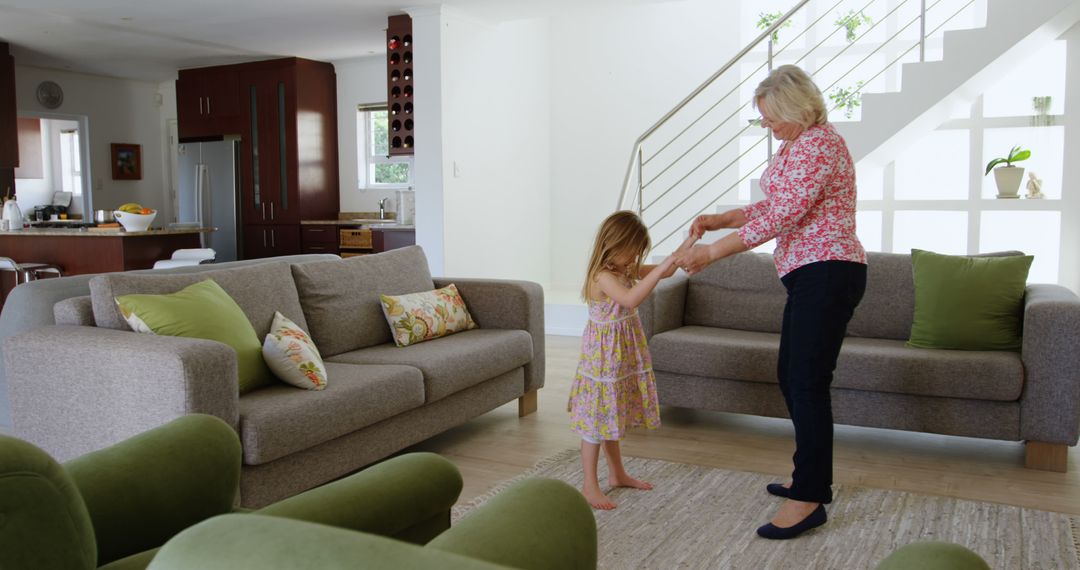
(821, 298)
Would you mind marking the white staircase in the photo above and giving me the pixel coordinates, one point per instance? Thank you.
(973, 61)
(670, 187)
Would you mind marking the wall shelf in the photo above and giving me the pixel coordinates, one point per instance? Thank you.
(399, 81)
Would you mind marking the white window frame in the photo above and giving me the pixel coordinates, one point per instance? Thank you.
(71, 178)
(367, 157)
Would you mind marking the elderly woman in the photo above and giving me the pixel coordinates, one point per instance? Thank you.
(810, 209)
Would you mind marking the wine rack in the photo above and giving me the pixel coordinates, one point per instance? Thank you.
(399, 84)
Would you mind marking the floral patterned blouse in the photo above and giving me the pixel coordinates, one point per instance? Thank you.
(809, 204)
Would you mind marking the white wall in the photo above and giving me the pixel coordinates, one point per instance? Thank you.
(613, 74)
(1069, 274)
(496, 143)
(119, 111)
(428, 157)
(359, 81)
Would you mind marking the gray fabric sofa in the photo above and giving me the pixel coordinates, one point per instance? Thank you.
(714, 339)
(87, 381)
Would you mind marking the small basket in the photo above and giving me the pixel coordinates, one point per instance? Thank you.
(356, 239)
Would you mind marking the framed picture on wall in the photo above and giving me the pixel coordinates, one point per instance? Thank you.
(126, 161)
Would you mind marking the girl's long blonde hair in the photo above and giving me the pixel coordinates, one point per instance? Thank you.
(621, 232)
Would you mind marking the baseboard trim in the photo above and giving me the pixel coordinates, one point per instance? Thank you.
(565, 319)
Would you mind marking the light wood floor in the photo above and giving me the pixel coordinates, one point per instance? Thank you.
(498, 445)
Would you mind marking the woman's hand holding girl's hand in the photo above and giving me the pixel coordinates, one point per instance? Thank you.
(693, 259)
(704, 223)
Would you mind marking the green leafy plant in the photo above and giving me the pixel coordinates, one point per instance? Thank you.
(1015, 155)
(851, 22)
(847, 98)
(766, 19)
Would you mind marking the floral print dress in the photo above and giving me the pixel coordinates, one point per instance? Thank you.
(614, 388)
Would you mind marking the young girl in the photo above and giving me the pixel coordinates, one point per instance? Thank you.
(614, 389)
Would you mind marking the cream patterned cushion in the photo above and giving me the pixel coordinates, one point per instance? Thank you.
(292, 357)
(423, 316)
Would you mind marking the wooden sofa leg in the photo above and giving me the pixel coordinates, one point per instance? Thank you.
(527, 404)
(1046, 456)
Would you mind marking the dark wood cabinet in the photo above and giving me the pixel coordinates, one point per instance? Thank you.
(268, 181)
(285, 111)
(385, 240)
(270, 240)
(289, 164)
(207, 103)
(319, 239)
(9, 129)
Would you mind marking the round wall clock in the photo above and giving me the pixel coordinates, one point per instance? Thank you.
(49, 94)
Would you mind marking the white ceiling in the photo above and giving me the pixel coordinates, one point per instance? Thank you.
(151, 39)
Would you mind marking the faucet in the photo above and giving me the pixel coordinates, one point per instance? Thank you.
(382, 208)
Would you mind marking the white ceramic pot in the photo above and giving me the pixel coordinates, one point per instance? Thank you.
(134, 222)
(1008, 180)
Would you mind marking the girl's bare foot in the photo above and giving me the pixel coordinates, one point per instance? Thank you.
(625, 480)
(597, 498)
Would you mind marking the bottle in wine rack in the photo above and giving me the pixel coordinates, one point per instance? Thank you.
(408, 90)
(396, 142)
(407, 58)
(396, 126)
(407, 75)
(408, 108)
(406, 41)
(395, 58)
(395, 92)
(394, 43)
(395, 109)
(408, 142)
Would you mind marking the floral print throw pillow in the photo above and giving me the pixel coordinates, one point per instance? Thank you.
(292, 356)
(423, 316)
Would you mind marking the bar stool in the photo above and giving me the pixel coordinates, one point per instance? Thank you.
(29, 271)
(185, 257)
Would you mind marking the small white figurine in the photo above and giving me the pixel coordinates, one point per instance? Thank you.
(1034, 187)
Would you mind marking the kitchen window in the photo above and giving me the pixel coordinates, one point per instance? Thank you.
(376, 168)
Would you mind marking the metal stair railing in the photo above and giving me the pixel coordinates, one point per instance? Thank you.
(638, 161)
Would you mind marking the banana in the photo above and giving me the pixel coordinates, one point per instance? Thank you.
(131, 207)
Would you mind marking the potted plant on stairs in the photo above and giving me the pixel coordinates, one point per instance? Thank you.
(1008, 177)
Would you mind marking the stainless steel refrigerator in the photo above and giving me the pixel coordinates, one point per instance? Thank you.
(208, 185)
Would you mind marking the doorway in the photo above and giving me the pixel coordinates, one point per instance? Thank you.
(54, 163)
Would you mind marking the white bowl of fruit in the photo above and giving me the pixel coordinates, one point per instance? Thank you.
(134, 217)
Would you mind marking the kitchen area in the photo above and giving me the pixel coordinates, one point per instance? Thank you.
(255, 164)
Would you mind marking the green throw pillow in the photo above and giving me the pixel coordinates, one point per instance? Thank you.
(203, 310)
(968, 303)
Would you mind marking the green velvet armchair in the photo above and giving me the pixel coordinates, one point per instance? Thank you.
(165, 499)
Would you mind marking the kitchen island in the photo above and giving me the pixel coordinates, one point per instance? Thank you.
(93, 250)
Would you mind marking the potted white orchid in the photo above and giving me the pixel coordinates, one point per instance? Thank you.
(1008, 177)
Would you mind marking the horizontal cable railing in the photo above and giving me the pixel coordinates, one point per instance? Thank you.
(658, 199)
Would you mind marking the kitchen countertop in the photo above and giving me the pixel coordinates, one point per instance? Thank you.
(355, 224)
(118, 232)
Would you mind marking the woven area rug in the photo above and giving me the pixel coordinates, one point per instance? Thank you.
(701, 517)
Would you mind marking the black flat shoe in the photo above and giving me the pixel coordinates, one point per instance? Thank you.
(813, 520)
(778, 490)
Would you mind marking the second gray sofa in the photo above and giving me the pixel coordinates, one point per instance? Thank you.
(89, 381)
(715, 337)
